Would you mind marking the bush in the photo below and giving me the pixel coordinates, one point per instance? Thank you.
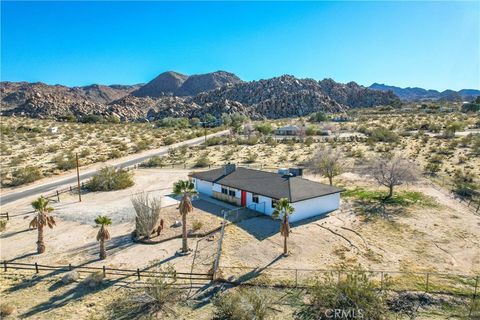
(6, 309)
(197, 225)
(114, 154)
(3, 225)
(318, 117)
(170, 122)
(202, 161)
(213, 141)
(251, 157)
(264, 128)
(109, 178)
(154, 161)
(94, 279)
(382, 135)
(169, 140)
(152, 301)
(356, 296)
(243, 304)
(65, 161)
(25, 175)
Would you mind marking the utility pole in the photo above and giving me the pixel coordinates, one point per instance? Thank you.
(78, 179)
(205, 127)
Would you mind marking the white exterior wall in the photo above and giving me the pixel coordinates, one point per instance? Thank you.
(203, 186)
(314, 207)
(303, 209)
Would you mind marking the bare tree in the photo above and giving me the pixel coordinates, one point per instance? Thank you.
(391, 172)
(147, 214)
(327, 162)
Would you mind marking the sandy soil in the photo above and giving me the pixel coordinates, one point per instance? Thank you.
(73, 239)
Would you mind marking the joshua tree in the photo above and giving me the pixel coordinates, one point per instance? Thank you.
(42, 219)
(283, 209)
(103, 233)
(186, 190)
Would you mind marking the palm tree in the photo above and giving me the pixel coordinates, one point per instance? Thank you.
(186, 190)
(42, 219)
(283, 209)
(103, 233)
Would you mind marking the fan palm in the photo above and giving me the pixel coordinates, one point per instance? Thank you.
(42, 219)
(103, 233)
(186, 190)
(283, 209)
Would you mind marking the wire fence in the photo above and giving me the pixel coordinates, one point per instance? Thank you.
(430, 282)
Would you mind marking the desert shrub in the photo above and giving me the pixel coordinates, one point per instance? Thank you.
(202, 161)
(170, 122)
(154, 161)
(308, 142)
(94, 279)
(251, 157)
(197, 225)
(318, 117)
(250, 141)
(147, 214)
(264, 128)
(92, 118)
(464, 183)
(155, 299)
(3, 225)
(65, 161)
(141, 145)
(311, 131)
(213, 141)
(169, 140)
(114, 154)
(432, 168)
(355, 295)
(6, 309)
(25, 175)
(382, 135)
(471, 107)
(244, 304)
(109, 178)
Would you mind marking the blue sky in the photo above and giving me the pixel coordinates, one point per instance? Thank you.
(427, 44)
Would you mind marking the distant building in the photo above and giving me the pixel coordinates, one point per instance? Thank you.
(289, 130)
(341, 119)
(53, 129)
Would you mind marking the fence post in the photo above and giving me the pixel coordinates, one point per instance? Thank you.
(426, 285)
(69, 266)
(104, 271)
(36, 267)
(474, 297)
(5, 265)
(381, 281)
(8, 217)
(296, 278)
(58, 196)
(138, 273)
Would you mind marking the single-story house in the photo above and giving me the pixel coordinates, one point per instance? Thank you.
(290, 130)
(260, 190)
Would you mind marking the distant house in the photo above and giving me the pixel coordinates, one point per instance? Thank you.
(341, 119)
(260, 190)
(53, 129)
(290, 130)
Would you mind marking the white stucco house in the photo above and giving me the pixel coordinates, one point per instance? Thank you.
(260, 190)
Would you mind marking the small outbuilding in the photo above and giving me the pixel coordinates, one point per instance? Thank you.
(290, 130)
(260, 190)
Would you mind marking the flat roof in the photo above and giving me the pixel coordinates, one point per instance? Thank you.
(269, 184)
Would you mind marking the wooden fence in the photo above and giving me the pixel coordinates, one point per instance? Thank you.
(107, 271)
(4, 215)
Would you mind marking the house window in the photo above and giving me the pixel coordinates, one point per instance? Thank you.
(224, 190)
(231, 193)
(254, 198)
(274, 203)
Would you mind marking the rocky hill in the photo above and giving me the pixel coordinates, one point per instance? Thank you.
(419, 94)
(173, 94)
(175, 84)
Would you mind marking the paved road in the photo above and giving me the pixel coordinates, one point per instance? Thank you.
(49, 187)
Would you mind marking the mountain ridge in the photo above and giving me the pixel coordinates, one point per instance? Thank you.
(417, 93)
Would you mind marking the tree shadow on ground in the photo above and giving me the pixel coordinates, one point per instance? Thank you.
(11, 234)
(75, 293)
(114, 245)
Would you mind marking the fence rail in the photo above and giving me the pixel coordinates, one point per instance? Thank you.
(5, 215)
(107, 271)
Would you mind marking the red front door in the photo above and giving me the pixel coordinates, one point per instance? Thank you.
(244, 198)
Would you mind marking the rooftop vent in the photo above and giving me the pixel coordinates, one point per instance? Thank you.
(229, 168)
